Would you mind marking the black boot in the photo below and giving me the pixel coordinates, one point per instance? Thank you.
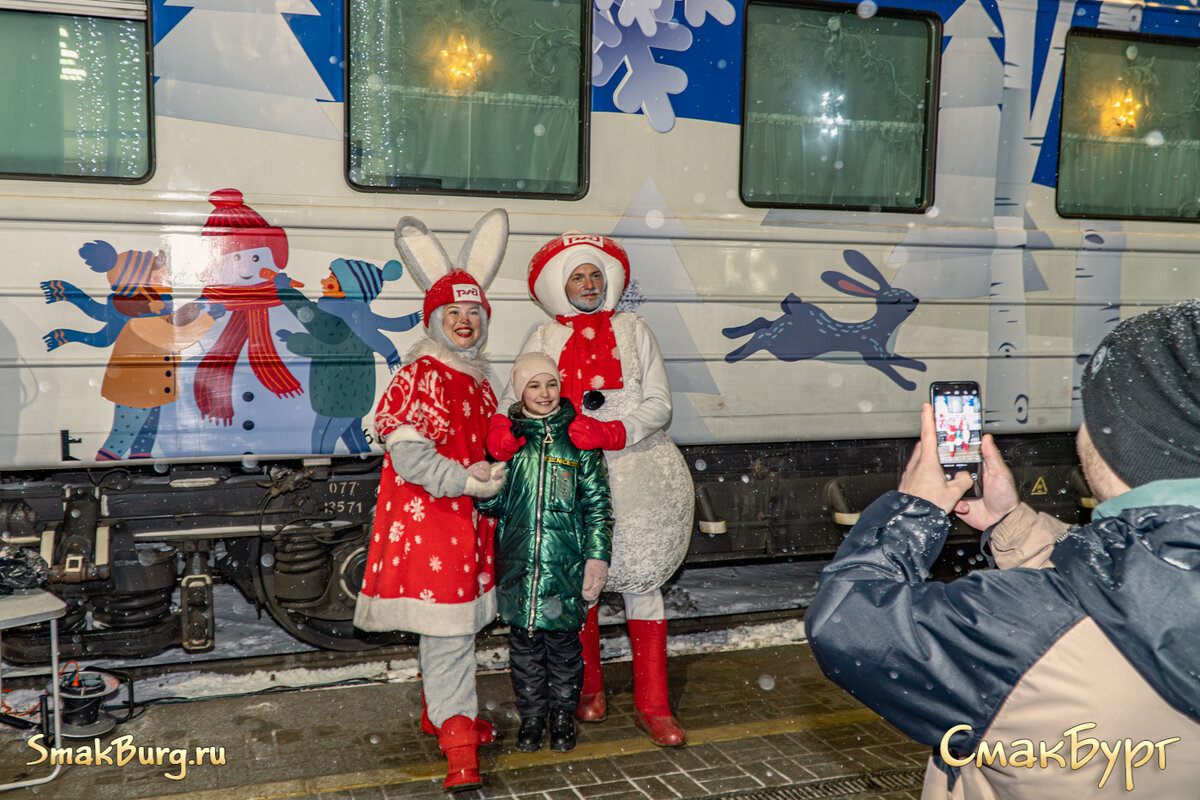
(562, 730)
(531, 734)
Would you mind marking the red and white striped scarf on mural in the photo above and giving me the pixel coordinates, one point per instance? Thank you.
(248, 323)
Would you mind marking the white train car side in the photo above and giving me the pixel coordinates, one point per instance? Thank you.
(827, 206)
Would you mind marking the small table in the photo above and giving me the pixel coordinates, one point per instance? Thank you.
(26, 609)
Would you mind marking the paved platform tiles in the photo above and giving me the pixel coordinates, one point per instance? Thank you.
(756, 719)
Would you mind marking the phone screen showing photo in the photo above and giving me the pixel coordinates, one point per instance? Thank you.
(958, 414)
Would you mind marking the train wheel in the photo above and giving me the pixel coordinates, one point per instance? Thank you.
(325, 622)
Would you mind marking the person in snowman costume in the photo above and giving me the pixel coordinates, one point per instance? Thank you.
(611, 368)
(430, 567)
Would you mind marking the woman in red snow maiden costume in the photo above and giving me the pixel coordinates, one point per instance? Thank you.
(611, 368)
(429, 563)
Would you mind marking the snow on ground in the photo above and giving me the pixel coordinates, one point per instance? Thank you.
(696, 592)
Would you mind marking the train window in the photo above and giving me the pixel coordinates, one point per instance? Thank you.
(75, 92)
(464, 97)
(1130, 139)
(838, 107)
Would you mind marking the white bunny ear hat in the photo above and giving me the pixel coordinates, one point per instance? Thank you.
(444, 282)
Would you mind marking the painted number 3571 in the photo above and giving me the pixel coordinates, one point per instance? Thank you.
(344, 489)
(343, 507)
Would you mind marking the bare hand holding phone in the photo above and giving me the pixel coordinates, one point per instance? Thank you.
(999, 491)
(924, 476)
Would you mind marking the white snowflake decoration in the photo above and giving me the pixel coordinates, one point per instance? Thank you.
(435, 564)
(416, 509)
(631, 35)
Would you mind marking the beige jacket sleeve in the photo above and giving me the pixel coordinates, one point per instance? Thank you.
(1025, 538)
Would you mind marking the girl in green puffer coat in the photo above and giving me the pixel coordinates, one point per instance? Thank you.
(552, 552)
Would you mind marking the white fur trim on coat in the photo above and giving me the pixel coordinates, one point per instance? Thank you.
(419, 616)
(477, 368)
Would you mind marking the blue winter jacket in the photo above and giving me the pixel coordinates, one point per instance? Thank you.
(1013, 649)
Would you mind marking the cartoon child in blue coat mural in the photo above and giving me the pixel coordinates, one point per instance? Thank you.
(343, 335)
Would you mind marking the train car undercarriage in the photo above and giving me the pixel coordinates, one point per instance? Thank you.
(135, 549)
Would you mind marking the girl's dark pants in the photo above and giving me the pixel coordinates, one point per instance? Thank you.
(547, 670)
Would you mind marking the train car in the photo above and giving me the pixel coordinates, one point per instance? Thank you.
(827, 206)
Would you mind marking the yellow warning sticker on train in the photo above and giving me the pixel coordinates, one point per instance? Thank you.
(1039, 487)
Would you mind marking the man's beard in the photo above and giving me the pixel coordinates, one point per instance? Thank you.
(584, 304)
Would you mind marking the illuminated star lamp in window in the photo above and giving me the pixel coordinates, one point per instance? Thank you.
(461, 64)
(1125, 112)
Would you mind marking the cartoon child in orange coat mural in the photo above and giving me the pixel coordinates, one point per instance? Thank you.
(146, 334)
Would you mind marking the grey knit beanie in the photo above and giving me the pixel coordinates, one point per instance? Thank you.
(1141, 395)
(529, 365)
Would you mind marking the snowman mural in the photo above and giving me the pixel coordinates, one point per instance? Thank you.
(242, 392)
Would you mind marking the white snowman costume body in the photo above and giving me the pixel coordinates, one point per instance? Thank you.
(652, 491)
(649, 480)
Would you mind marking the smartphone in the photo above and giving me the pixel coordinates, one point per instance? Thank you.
(958, 417)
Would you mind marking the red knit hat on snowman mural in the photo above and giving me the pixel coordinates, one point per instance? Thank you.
(234, 226)
(456, 286)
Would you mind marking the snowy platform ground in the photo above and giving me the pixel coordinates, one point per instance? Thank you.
(695, 592)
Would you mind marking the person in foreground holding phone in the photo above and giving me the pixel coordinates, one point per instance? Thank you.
(1083, 672)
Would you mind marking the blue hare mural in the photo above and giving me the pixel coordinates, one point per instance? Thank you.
(806, 331)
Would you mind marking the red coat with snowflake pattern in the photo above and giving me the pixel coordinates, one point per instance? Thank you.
(430, 563)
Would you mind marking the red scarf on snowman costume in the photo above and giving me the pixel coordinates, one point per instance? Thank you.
(248, 323)
(590, 359)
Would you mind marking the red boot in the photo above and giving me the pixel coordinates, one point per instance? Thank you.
(459, 740)
(653, 710)
(487, 731)
(593, 705)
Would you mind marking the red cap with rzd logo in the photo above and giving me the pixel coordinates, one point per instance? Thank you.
(456, 286)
